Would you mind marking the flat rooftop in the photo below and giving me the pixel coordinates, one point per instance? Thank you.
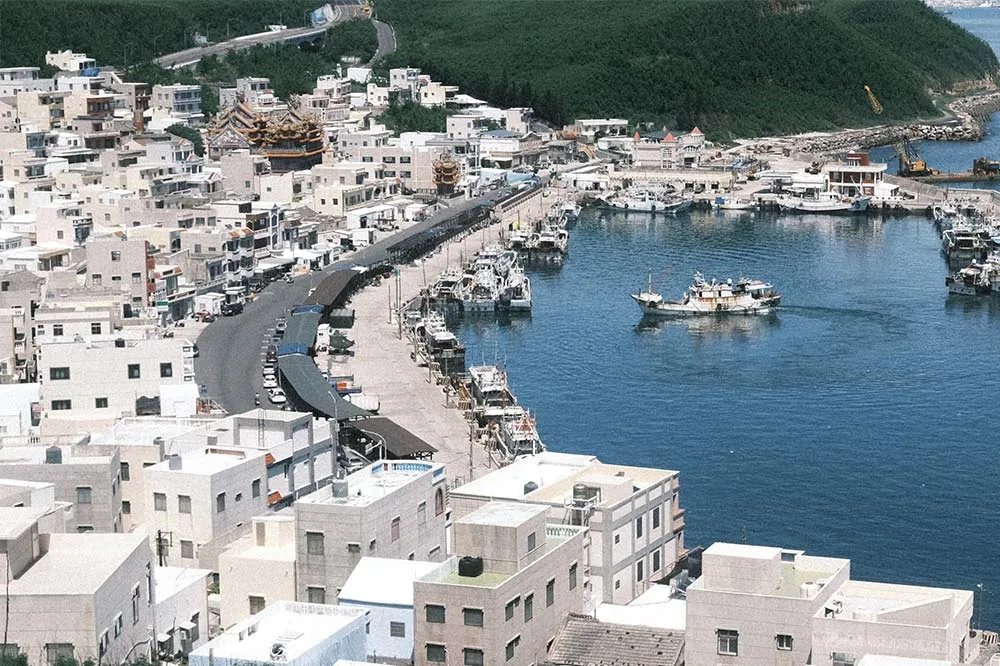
(15, 521)
(145, 429)
(889, 603)
(298, 627)
(35, 455)
(379, 580)
(78, 563)
(208, 461)
(168, 581)
(766, 570)
(656, 607)
(374, 482)
(554, 475)
(504, 514)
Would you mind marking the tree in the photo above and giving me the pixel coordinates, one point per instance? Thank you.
(189, 133)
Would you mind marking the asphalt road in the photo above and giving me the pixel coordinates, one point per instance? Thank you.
(344, 10)
(232, 349)
(386, 41)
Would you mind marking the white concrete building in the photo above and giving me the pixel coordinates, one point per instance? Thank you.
(85, 596)
(269, 547)
(67, 61)
(84, 475)
(388, 509)
(385, 588)
(201, 500)
(634, 515)
(290, 634)
(181, 609)
(181, 102)
(762, 606)
(504, 595)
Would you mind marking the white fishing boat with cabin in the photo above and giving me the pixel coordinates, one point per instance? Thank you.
(745, 297)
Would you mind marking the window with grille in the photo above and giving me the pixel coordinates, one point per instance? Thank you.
(314, 543)
(434, 613)
(729, 642)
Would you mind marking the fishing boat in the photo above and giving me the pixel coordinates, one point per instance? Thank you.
(515, 291)
(569, 211)
(520, 436)
(745, 297)
(647, 201)
(973, 280)
(730, 203)
(439, 344)
(482, 292)
(823, 202)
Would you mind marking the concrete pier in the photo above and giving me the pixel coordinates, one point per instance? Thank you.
(382, 365)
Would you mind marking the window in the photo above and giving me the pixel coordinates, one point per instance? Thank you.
(118, 625)
(784, 641)
(136, 278)
(187, 550)
(639, 570)
(136, 595)
(195, 632)
(314, 543)
(58, 373)
(435, 653)
(126, 507)
(317, 595)
(618, 584)
(531, 542)
(529, 607)
(159, 502)
(473, 617)
(124, 474)
(55, 652)
(397, 630)
(511, 646)
(239, 497)
(116, 255)
(421, 513)
(220, 502)
(102, 403)
(133, 371)
(61, 405)
(473, 657)
(83, 494)
(184, 504)
(550, 592)
(166, 369)
(82, 529)
(354, 548)
(405, 159)
(438, 502)
(96, 279)
(617, 538)
(656, 560)
(434, 613)
(729, 641)
(95, 328)
(255, 488)
(843, 659)
(256, 604)
(638, 527)
(572, 576)
(394, 529)
(511, 605)
(57, 329)
(656, 517)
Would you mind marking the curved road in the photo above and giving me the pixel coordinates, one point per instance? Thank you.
(386, 40)
(344, 10)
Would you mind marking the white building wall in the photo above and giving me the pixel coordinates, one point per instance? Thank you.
(381, 644)
(186, 605)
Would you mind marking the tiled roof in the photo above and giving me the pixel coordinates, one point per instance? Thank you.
(584, 641)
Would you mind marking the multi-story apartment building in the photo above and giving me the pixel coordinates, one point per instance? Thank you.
(270, 546)
(180, 101)
(198, 502)
(83, 475)
(759, 606)
(388, 509)
(265, 220)
(67, 61)
(82, 596)
(503, 596)
(21, 291)
(635, 520)
(181, 609)
(232, 244)
(663, 150)
(16, 79)
(106, 379)
(121, 262)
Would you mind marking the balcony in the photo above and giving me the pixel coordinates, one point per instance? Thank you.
(678, 520)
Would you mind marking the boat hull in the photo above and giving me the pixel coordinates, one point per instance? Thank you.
(667, 309)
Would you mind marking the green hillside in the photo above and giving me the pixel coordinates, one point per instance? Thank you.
(732, 67)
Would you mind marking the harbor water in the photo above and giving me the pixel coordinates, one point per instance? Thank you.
(857, 422)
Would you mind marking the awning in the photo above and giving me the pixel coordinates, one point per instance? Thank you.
(399, 442)
(163, 638)
(188, 626)
(273, 497)
(303, 377)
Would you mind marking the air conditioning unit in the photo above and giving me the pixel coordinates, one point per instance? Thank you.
(278, 652)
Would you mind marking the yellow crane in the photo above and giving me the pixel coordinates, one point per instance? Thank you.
(876, 105)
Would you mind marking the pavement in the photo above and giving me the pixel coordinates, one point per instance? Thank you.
(386, 41)
(344, 10)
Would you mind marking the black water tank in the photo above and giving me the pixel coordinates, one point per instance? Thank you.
(470, 567)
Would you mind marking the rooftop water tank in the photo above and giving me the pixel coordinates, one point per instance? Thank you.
(340, 484)
(53, 455)
(530, 487)
(174, 461)
(470, 567)
(808, 590)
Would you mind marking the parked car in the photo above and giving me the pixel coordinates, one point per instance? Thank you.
(280, 325)
(230, 309)
(269, 370)
(272, 353)
(277, 396)
(194, 348)
(270, 382)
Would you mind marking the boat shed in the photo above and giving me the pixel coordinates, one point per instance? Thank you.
(369, 435)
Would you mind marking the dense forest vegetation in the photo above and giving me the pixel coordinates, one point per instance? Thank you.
(734, 68)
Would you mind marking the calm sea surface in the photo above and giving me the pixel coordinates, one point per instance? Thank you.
(858, 422)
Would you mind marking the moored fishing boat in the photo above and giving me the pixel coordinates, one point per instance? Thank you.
(823, 202)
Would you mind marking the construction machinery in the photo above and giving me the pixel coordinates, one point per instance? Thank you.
(910, 163)
(876, 105)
